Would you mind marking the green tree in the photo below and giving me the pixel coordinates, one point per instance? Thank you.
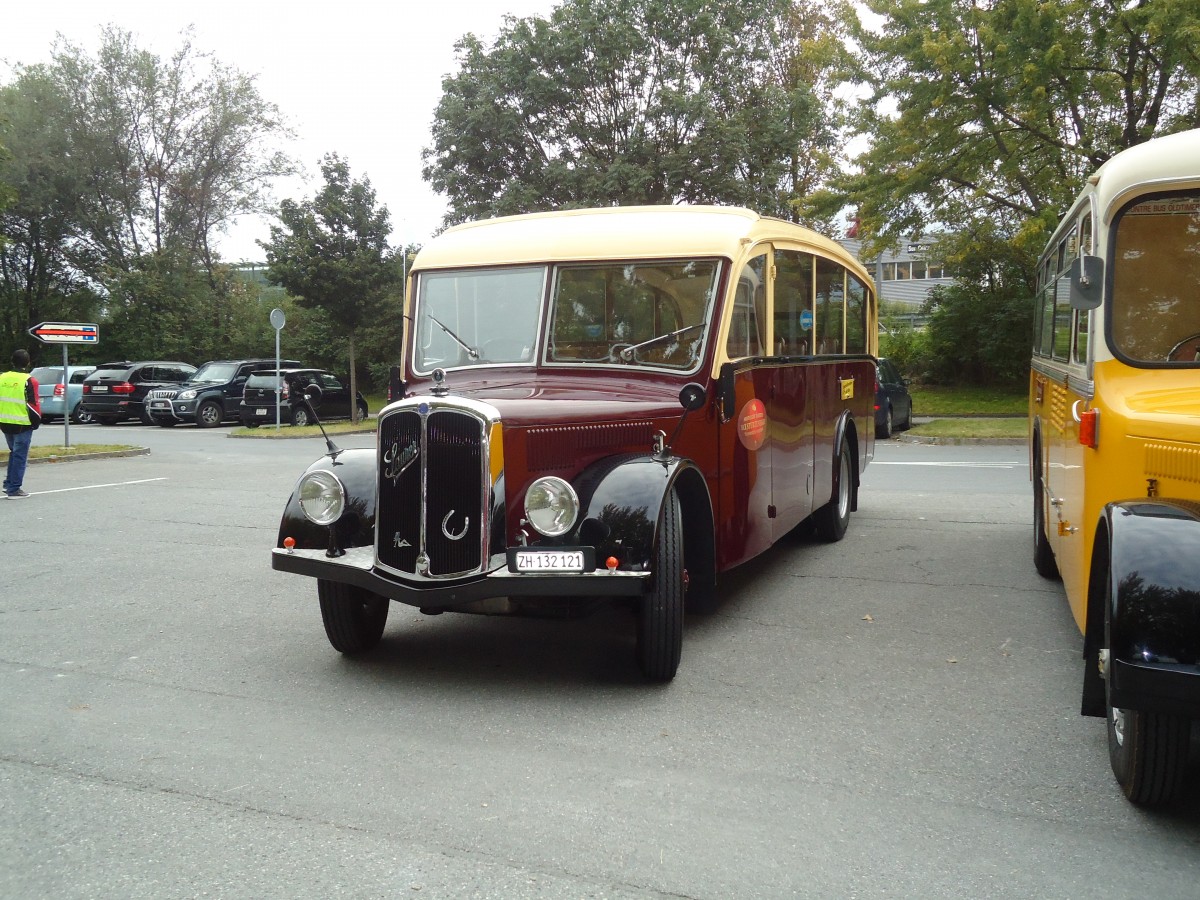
(331, 253)
(125, 166)
(640, 101)
(998, 109)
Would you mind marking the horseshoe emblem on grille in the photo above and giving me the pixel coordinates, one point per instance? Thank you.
(397, 460)
(446, 527)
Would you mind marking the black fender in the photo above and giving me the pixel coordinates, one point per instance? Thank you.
(621, 501)
(356, 469)
(1145, 573)
(845, 433)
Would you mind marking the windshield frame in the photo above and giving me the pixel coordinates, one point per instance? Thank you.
(232, 367)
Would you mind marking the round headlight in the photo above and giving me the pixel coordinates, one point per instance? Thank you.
(322, 497)
(551, 506)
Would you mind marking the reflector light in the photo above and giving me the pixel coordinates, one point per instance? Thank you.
(289, 543)
(612, 563)
(59, 390)
(1089, 422)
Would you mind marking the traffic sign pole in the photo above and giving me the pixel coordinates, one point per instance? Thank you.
(66, 333)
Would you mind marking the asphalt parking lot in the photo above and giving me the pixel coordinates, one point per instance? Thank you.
(891, 716)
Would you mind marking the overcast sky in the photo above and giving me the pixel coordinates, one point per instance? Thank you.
(355, 77)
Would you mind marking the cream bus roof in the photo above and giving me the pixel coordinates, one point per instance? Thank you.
(619, 232)
(1171, 161)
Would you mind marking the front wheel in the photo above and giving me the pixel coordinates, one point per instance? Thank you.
(209, 414)
(833, 518)
(660, 616)
(300, 416)
(354, 617)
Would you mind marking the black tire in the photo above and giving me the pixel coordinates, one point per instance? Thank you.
(353, 616)
(884, 431)
(362, 409)
(1043, 554)
(660, 615)
(209, 414)
(1148, 751)
(107, 420)
(249, 423)
(301, 416)
(81, 416)
(833, 518)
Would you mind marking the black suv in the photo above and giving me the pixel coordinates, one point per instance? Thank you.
(304, 392)
(117, 390)
(211, 396)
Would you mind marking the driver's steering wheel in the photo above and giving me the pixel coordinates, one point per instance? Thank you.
(1187, 350)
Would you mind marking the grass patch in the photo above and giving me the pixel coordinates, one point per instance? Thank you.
(937, 400)
(68, 452)
(269, 432)
(1015, 428)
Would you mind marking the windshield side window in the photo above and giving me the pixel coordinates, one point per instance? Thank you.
(1155, 270)
(477, 316)
(749, 309)
(646, 313)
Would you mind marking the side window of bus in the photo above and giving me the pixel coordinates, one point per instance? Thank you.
(830, 306)
(749, 307)
(1063, 314)
(856, 314)
(793, 303)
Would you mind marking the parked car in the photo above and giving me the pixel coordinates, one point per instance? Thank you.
(893, 403)
(304, 392)
(211, 396)
(593, 407)
(117, 390)
(51, 392)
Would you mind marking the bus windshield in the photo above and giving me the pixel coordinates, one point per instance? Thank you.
(1156, 267)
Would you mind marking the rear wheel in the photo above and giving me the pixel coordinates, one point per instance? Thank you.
(660, 616)
(833, 518)
(209, 414)
(301, 417)
(1043, 555)
(81, 416)
(354, 617)
(362, 409)
(885, 430)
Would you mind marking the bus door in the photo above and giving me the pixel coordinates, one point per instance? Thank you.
(790, 408)
(745, 492)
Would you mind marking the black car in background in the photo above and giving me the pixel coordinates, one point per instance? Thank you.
(304, 392)
(117, 390)
(211, 396)
(893, 403)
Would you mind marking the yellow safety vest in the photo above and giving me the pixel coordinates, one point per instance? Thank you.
(13, 408)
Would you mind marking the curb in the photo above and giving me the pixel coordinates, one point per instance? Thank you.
(74, 457)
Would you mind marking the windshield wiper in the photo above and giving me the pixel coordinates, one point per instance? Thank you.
(471, 351)
(628, 352)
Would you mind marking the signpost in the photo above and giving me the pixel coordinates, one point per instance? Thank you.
(66, 333)
(278, 320)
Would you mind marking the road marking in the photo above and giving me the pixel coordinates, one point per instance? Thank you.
(953, 465)
(88, 487)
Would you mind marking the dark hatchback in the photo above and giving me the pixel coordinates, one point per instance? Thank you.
(305, 394)
(117, 390)
(893, 403)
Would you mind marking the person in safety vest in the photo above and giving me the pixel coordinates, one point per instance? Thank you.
(20, 414)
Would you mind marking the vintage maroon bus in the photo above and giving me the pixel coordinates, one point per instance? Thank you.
(608, 405)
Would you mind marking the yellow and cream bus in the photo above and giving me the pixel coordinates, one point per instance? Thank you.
(1114, 403)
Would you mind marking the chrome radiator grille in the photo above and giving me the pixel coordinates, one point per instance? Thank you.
(162, 394)
(434, 491)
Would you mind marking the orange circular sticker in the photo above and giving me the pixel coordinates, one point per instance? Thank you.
(752, 425)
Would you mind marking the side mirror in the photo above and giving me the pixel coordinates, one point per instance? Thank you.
(692, 397)
(1087, 282)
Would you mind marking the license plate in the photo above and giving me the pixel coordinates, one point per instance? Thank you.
(260, 412)
(547, 561)
(160, 404)
(99, 389)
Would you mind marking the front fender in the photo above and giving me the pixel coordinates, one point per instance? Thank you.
(621, 500)
(356, 528)
(1154, 559)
